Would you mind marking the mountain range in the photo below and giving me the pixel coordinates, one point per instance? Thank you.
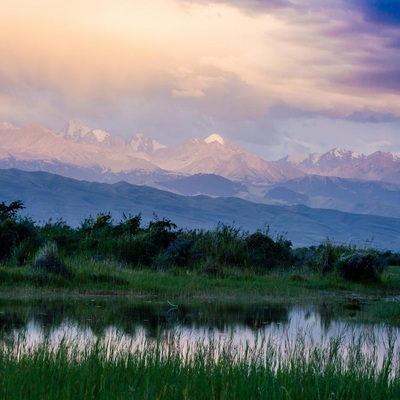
(48, 195)
(339, 179)
(113, 158)
(78, 146)
(379, 166)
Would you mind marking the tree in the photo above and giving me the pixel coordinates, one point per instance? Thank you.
(9, 212)
(9, 237)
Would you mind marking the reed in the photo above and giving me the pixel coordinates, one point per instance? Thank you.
(207, 369)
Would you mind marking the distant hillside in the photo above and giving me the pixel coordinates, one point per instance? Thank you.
(46, 195)
(349, 195)
(209, 184)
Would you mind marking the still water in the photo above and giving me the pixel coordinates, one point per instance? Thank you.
(123, 320)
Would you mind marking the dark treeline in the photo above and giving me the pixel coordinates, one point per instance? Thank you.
(161, 245)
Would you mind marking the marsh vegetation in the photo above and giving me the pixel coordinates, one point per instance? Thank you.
(50, 249)
(104, 259)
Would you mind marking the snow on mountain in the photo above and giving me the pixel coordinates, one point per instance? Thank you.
(76, 131)
(142, 143)
(216, 155)
(100, 135)
(315, 162)
(77, 144)
(380, 166)
(348, 164)
(7, 125)
(215, 138)
(80, 146)
(337, 157)
(295, 159)
(36, 142)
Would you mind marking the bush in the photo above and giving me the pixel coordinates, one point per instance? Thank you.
(327, 255)
(180, 253)
(13, 229)
(24, 252)
(49, 261)
(269, 253)
(140, 249)
(224, 244)
(58, 231)
(364, 266)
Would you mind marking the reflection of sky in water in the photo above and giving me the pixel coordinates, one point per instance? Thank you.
(302, 324)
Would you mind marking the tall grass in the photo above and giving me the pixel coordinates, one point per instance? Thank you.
(164, 369)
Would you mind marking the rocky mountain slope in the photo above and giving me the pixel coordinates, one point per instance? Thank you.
(76, 145)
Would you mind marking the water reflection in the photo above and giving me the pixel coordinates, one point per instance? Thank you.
(134, 323)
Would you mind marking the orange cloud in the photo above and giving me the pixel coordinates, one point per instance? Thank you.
(210, 53)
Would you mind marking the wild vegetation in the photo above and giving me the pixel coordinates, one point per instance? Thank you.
(160, 258)
(155, 369)
(162, 246)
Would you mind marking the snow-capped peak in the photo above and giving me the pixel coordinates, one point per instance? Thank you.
(341, 153)
(296, 158)
(144, 144)
(215, 138)
(100, 135)
(74, 129)
(6, 125)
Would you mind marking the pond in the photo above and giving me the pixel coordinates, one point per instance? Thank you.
(134, 322)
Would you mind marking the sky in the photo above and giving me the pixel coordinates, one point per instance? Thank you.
(277, 76)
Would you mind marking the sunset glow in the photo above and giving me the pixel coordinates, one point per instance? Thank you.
(257, 72)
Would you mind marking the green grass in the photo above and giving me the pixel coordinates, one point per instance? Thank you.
(89, 276)
(218, 370)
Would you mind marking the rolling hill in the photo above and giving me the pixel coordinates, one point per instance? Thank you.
(52, 196)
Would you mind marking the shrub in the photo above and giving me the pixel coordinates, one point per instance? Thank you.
(13, 229)
(180, 253)
(139, 249)
(49, 261)
(266, 252)
(328, 253)
(58, 231)
(162, 232)
(363, 266)
(224, 244)
(24, 252)
(129, 224)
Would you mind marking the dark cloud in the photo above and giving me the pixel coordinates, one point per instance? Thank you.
(372, 117)
(374, 80)
(388, 80)
(384, 12)
(283, 112)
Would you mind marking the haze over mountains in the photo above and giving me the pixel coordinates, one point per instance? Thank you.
(48, 195)
(339, 179)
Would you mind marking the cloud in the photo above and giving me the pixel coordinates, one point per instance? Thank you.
(249, 6)
(170, 67)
